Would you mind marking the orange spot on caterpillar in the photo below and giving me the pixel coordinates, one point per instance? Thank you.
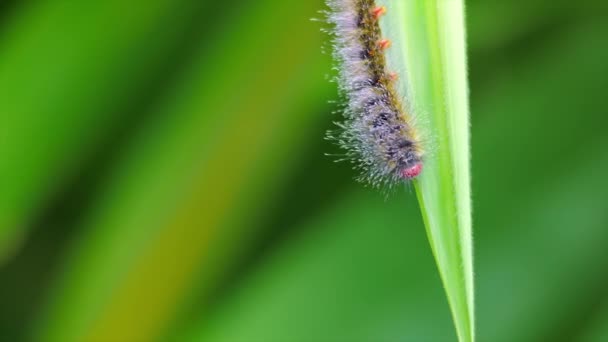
(393, 76)
(379, 11)
(384, 44)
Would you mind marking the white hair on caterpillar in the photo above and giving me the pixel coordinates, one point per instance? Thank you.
(377, 133)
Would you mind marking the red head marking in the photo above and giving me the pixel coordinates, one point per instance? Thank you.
(379, 11)
(412, 171)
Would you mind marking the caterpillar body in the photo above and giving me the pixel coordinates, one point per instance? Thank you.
(377, 133)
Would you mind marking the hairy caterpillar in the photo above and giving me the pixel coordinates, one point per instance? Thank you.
(377, 132)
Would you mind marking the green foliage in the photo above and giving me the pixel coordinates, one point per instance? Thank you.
(429, 46)
(162, 178)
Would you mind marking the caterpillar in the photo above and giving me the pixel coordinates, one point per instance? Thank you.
(377, 133)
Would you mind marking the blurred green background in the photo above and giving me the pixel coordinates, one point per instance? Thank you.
(163, 178)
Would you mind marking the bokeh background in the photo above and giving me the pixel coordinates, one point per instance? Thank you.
(163, 178)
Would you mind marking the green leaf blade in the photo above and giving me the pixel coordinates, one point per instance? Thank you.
(430, 47)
